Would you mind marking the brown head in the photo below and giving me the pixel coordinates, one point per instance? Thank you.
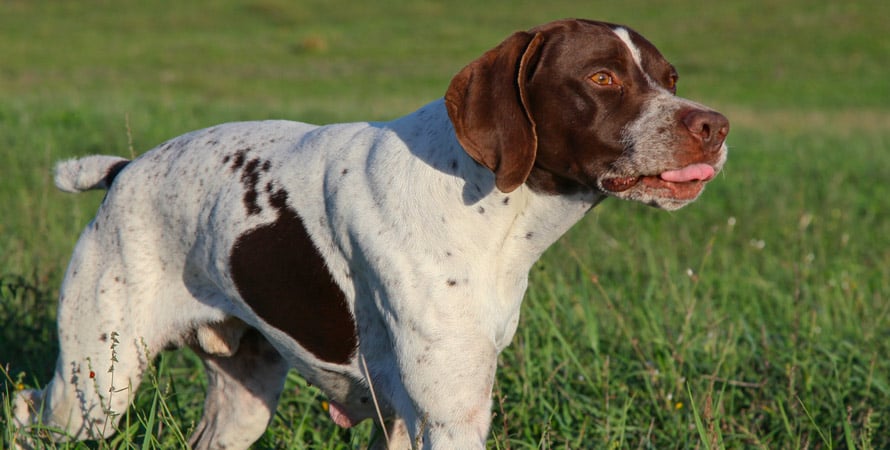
(579, 105)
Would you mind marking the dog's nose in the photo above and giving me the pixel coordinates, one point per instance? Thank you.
(710, 127)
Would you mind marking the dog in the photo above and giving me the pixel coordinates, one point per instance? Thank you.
(385, 261)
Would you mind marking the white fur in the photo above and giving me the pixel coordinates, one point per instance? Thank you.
(624, 35)
(432, 258)
(81, 174)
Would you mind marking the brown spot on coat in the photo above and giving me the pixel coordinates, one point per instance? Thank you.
(278, 199)
(250, 177)
(240, 157)
(114, 170)
(279, 272)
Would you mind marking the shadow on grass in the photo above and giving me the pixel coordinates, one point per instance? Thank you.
(28, 335)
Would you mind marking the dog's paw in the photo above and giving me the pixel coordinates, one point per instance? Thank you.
(221, 339)
(26, 407)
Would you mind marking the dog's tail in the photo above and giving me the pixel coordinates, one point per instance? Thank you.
(89, 172)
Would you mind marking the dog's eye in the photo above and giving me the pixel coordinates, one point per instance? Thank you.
(603, 78)
(672, 84)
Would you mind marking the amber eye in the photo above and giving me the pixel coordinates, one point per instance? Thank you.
(603, 78)
(672, 83)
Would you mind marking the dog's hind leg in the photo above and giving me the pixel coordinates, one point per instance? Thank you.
(102, 353)
(242, 387)
(121, 303)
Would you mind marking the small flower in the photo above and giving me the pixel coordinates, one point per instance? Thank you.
(92, 374)
(325, 405)
(20, 386)
(678, 406)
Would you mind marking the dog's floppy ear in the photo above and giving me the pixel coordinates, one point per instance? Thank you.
(487, 105)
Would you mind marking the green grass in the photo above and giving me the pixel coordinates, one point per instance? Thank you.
(758, 317)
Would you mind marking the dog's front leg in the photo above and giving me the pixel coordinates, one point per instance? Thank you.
(449, 381)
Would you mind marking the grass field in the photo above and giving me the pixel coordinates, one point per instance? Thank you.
(758, 317)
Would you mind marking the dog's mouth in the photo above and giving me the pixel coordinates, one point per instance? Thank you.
(681, 184)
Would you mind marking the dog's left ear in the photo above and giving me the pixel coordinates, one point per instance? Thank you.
(488, 107)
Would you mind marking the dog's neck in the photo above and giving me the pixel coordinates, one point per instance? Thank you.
(505, 232)
(525, 218)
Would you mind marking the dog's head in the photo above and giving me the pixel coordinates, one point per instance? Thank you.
(575, 105)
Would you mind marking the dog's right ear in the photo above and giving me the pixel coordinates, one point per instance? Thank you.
(488, 107)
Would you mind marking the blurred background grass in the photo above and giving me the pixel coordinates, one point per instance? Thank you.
(757, 317)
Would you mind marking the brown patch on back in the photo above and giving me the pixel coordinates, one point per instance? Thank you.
(279, 272)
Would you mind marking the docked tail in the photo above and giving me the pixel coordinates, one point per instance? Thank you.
(89, 172)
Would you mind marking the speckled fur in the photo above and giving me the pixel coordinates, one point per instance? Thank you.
(422, 261)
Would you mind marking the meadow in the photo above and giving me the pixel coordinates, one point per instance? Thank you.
(758, 317)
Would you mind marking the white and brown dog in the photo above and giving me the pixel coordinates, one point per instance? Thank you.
(383, 260)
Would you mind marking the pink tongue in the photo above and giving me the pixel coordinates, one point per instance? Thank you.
(339, 415)
(694, 172)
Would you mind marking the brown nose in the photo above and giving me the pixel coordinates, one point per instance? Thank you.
(710, 127)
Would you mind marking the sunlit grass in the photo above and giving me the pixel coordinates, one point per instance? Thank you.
(756, 318)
